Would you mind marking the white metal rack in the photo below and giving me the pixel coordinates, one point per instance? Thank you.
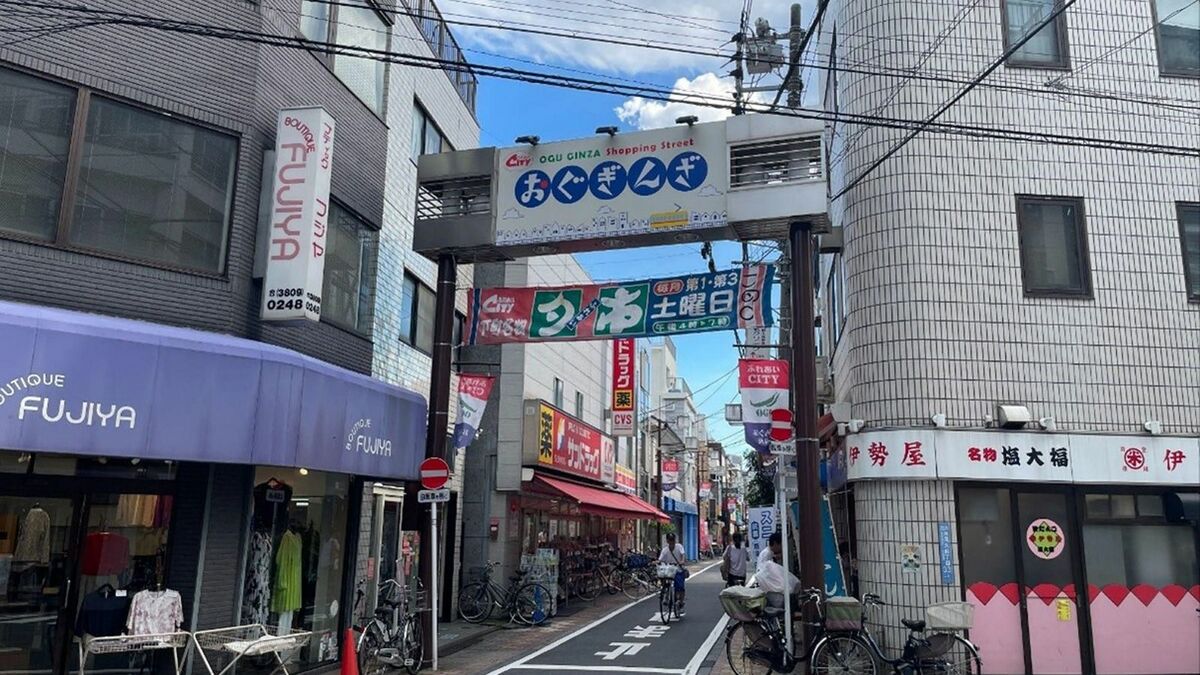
(126, 644)
(235, 642)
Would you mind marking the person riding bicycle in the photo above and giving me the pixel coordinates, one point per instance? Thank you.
(673, 554)
(734, 562)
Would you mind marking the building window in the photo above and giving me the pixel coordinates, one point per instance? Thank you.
(1177, 32)
(1054, 253)
(294, 572)
(145, 186)
(425, 138)
(1189, 239)
(35, 135)
(351, 23)
(558, 393)
(1046, 49)
(417, 307)
(579, 404)
(347, 297)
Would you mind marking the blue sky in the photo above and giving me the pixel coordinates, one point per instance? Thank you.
(507, 109)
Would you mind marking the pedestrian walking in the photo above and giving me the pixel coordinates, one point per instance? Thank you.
(734, 562)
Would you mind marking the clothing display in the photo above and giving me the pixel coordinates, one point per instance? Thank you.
(102, 613)
(33, 540)
(104, 553)
(137, 510)
(152, 612)
(285, 596)
(256, 598)
(271, 504)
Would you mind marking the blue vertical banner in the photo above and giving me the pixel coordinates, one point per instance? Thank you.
(835, 578)
(945, 554)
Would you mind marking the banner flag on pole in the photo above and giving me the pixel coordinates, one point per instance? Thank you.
(473, 393)
(764, 387)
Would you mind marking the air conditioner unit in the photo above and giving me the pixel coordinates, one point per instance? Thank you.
(824, 381)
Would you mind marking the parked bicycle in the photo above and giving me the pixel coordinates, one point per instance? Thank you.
(841, 642)
(528, 603)
(639, 578)
(392, 638)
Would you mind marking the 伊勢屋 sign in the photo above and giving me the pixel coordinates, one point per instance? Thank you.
(691, 303)
(624, 398)
(1023, 456)
(665, 180)
(554, 439)
(764, 385)
(295, 271)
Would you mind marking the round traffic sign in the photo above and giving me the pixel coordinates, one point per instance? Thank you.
(781, 424)
(434, 473)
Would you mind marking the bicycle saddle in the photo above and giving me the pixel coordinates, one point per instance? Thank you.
(913, 624)
(773, 611)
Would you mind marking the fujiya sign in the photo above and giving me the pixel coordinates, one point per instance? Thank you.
(652, 181)
(1022, 456)
(299, 215)
(361, 440)
(35, 400)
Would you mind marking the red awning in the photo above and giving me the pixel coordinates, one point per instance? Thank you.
(599, 502)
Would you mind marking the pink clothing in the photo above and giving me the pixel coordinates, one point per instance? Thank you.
(153, 612)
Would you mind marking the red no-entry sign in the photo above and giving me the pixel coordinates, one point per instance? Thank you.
(781, 424)
(434, 473)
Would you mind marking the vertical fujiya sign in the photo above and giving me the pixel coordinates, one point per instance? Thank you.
(299, 215)
(623, 383)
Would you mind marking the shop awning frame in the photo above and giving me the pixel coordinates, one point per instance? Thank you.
(598, 501)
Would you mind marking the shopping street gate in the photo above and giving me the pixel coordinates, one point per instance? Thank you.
(747, 177)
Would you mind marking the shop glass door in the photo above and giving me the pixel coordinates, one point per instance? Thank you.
(1048, 547)
(36, 537)
(1143, 583)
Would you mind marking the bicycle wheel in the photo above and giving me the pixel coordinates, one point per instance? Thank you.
(741, 649)
(961, 659)
(613, 582)
(475, 602)
(666, 602)
(843, 654)
(531, 605)
(412, 647)
(589, 586)
(368, 651)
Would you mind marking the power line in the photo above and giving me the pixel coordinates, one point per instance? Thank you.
(549, 15)
(794, 59)
(1080, 67)
(270, 39)
(1058, 11)
(689, 20)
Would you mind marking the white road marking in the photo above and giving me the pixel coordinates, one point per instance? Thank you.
(603, 669)
(693, 666)
(622, 649)
(648, 632)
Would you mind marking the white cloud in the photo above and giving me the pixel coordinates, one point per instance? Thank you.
(699, 25)
(708, 88)
(512, 214)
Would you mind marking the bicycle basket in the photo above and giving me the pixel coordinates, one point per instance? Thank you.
(950, 616)
(636, 561)
(843, 614)
(934, 647)
(667, 571)
(742, 603)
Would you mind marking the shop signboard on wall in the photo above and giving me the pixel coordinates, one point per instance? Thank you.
(556, 440)
(705, 490)
(665, 180)
(1023, 456)
(626, 481)
(295, 271)
(623, 385)
(473, 393)
(690, 303)
(764, 385)
(670, 474)
(608, 459)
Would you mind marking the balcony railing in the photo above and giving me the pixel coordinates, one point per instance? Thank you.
(437, 34)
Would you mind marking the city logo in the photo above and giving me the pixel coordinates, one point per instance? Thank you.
(518, 160)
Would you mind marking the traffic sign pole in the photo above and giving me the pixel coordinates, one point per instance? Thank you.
(782, 435)
(433, 576)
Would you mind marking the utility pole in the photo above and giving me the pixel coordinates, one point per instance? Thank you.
(795, 83)
(804, 387)
(658, 491)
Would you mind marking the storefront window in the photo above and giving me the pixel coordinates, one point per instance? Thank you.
(294, 572)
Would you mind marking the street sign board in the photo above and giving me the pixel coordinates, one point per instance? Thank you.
(434, 473)
(782, 447)
(781, 424)
(433, 496)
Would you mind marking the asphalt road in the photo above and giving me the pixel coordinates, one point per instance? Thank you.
(632, 638)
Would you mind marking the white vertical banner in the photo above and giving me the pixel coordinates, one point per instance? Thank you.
(299, 215)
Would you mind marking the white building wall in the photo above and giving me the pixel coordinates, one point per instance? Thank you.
(937, 320)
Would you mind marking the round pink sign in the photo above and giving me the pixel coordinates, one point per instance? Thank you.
(1045, 538)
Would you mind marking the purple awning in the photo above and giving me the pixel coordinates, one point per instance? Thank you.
(87, 384)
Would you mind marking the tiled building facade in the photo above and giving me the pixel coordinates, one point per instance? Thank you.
(981, 271)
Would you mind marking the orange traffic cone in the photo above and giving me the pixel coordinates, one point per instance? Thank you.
(349, 654)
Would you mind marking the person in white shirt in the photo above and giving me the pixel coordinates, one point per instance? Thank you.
(772, 551)
(737, 558)
(673, 554)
